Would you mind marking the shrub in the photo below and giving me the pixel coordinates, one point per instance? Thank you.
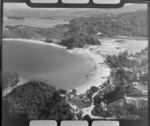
(79, 41)
(62, 91)
(94, 89)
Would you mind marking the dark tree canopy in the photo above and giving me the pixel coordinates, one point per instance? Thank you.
(35, 100)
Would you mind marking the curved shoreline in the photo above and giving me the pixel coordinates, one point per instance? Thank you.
(35, 41)
(97, 77)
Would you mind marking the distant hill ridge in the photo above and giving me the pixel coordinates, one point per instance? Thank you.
(129, 24)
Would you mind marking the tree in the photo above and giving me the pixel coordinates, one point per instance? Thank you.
(94, 89)
(98, 99)
(87, 117)
(74, 91)
(79, 41)
(62, 91)
(48, 40)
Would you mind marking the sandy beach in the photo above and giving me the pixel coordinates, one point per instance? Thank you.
(35, 41)
(101, 72)
(108, 46)
(97, 77)
(96, 52)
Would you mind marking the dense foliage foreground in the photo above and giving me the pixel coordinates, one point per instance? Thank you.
(120, 97)
(35, 100)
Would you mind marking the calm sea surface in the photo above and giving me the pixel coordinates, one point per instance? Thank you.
(37, 61)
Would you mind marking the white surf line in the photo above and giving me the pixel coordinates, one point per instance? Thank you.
(34, 41)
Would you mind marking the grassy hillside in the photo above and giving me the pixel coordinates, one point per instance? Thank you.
(131, 24)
